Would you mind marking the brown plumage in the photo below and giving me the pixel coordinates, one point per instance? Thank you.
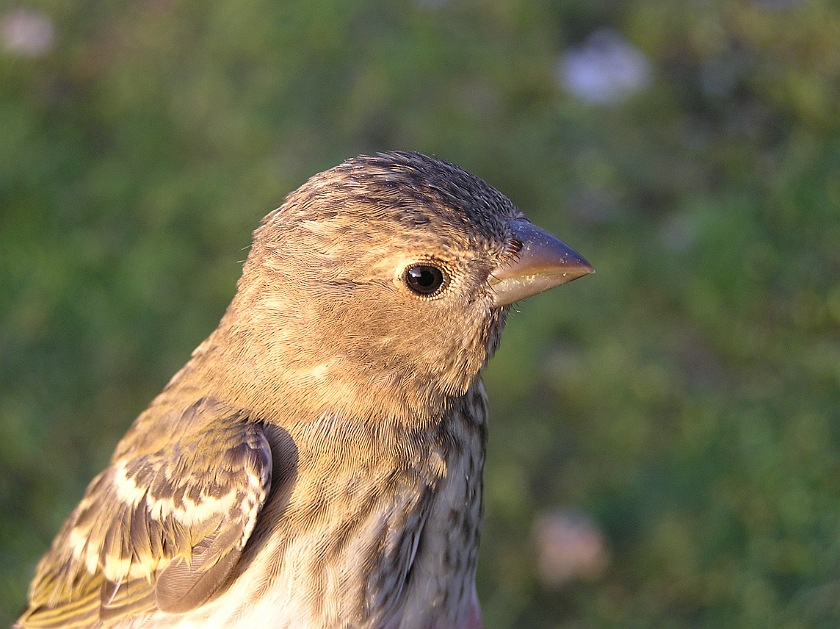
(318, 462)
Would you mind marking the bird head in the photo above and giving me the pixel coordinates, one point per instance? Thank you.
(385, 283)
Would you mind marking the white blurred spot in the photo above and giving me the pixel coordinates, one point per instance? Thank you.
(26, 32)
(605, 69)
(570, 545)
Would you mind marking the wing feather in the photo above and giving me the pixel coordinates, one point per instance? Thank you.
(157, 531)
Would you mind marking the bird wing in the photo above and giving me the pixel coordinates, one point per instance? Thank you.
(160, 530)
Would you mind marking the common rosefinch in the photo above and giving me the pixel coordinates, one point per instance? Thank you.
(318, 462)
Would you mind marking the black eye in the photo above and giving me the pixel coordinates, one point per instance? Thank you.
(424, 279)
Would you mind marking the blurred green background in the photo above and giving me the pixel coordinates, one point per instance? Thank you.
(665, 439)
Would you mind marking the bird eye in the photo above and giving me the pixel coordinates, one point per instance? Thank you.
(424, 279)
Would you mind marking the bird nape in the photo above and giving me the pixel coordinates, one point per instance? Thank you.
(318, 463)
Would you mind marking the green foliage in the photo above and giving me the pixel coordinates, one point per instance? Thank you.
(687, 396)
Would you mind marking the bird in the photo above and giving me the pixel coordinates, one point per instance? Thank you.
(318, 462)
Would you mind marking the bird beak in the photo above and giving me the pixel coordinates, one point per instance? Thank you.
(543, 262)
